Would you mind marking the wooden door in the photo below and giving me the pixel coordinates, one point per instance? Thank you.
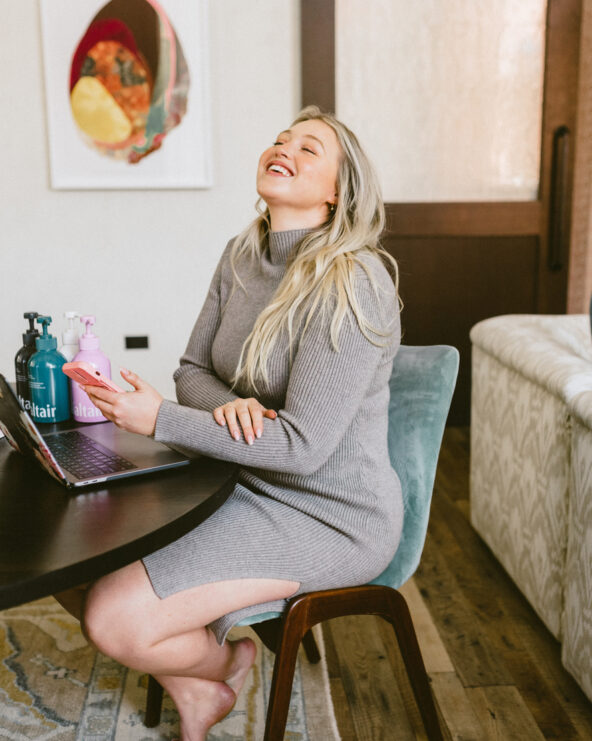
(463, 261)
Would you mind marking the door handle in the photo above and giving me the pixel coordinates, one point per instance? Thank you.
(559, 201)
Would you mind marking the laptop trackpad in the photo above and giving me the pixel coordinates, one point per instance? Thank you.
(143, 451)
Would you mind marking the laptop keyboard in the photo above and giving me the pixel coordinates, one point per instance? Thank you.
(85, 457)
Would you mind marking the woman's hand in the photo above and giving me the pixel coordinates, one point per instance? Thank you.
(134, 411)
(248, 413)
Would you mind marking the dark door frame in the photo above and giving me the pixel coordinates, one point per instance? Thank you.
(546, 219)
(317, 19)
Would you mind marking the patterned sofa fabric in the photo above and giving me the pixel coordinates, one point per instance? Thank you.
(531, 467)
(519, 481)
(554, 352)
(577, 616)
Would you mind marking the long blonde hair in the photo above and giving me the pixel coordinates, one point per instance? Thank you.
(324, 262)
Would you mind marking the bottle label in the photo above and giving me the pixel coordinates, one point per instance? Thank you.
(40, 412)
(84, 410)
(43, 414)
(22, 390)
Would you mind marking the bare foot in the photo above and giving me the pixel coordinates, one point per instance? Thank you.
(201, 702)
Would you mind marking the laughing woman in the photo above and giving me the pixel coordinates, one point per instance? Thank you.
(286, 374)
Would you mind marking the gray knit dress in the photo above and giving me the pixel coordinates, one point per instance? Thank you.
(317, 501)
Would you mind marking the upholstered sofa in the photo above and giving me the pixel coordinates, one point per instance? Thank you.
(531, 467)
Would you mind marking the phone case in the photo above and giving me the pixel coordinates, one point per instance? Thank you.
(87, 375)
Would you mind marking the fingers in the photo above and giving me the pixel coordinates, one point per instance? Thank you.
(102, 405)
(219, 416)
(257, 420)
(96, 392)
(135, 411)
(243, 415)
(231, 421)
(133, 379)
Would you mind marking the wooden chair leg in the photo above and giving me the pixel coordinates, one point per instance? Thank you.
(295, 626)
(310, 648)
(400, 619)
(153, 703)
(309, 609)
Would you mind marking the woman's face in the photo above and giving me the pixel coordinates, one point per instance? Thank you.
(298, 173)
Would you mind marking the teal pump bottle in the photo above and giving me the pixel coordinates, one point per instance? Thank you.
(50, 398)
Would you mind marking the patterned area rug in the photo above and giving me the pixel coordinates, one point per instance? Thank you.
(54, 686)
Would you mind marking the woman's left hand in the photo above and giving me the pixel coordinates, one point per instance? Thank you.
(134, 411)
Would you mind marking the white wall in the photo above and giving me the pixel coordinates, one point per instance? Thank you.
(140, 260)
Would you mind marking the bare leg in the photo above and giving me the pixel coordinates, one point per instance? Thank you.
(167, 638)
(203, 702)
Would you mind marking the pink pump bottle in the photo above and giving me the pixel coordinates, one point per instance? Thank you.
(83, 410)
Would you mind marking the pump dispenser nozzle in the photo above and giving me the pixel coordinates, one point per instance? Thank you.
(31, 316)
(32, 332)
(46, 341)
(70, 334)
(88, 341)
(70, 343)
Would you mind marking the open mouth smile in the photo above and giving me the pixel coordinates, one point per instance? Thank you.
(279, 169)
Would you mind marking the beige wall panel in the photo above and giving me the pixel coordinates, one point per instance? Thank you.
(446, 96)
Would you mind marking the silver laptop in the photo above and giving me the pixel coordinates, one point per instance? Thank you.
(83, 454)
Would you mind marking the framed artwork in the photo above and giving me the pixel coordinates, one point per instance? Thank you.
(126, 90)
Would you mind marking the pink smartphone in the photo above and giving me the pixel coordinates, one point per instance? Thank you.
(87, 375)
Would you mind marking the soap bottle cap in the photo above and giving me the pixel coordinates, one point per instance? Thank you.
(46, 341)
(30, 335)
(70, 334)
(88, 341)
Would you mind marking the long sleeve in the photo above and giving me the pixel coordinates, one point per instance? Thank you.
(316, 500)
(325, 389)
(196, 382)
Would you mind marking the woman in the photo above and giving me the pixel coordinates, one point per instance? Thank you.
(286, 373)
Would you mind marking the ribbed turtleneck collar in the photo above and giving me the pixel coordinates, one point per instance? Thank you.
(281, 244)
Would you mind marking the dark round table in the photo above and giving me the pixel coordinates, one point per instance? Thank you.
(52, 539)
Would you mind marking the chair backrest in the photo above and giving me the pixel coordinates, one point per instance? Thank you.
(421, 385)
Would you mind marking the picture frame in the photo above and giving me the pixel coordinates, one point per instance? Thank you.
(181, 157)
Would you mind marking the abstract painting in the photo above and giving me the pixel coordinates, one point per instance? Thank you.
(127, 93)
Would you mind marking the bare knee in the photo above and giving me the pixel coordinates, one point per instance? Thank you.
(112, 619)
(100, 623)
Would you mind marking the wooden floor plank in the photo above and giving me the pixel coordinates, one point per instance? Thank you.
(435, 656)
(506, 617)
(459, 714)
(504, 714)
(372, 692)
(338, 694)
(505, 677)
(387, 635)
(345, 722)
(464, 636)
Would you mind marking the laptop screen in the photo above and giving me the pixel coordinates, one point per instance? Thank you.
(21, 432)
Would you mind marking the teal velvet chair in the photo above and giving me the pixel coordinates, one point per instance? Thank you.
(421, 385)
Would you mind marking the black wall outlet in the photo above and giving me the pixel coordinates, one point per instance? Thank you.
(136, 343)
